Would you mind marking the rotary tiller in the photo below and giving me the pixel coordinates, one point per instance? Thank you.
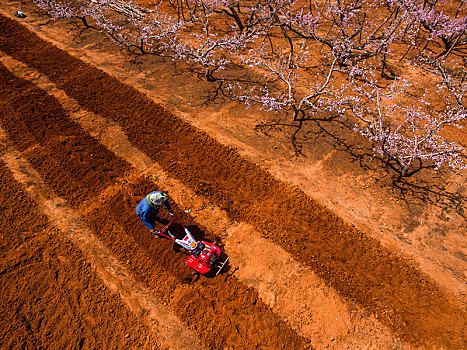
(203, 257)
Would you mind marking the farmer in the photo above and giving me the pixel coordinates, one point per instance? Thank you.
(20, 14)
(149, 207)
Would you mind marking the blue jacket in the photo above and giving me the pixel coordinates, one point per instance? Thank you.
(147, 213)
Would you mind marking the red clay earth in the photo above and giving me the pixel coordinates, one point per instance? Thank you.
(78, 170)
(221, 310)
(40, 277)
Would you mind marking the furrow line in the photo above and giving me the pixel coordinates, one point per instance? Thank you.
(103, 190)
(171, 332)
(321, 314)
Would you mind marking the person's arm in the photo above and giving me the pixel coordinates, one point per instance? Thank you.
(169, 207)
(151, 228)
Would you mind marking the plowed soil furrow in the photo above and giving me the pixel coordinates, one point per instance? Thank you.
(161, 322)
(357, 266)
(47, 286)
(64, 150)
(319, 315)
(221, 311)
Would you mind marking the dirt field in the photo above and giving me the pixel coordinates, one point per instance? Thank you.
(323, 253)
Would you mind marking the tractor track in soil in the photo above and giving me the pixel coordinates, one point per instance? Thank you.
(79, 170)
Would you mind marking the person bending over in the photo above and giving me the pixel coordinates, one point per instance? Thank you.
(149, 207)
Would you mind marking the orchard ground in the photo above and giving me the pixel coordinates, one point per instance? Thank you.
(345, 259)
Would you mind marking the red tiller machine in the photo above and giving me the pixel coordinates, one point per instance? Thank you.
(204, 256)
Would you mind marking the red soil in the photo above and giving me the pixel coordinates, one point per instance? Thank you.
(103, 190)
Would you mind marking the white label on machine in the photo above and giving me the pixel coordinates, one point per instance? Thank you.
(188, 242)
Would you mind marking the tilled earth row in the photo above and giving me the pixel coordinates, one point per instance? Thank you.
(47, 286)
(102, 188)
(95, 183)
